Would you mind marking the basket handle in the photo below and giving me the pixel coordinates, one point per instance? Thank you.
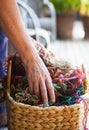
(86, 78)
(85, 71)
(9, 75)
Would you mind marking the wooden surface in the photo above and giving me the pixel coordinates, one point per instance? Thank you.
(77, 52)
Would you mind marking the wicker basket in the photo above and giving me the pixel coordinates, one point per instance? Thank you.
(26, 117)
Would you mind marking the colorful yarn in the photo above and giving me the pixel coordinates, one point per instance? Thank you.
(65, 99)
(70, 82)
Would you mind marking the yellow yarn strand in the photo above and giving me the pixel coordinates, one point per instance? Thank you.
(9, 76)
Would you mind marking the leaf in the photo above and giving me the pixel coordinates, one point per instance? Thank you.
(20, 93)
(57, 85)
(63, 6)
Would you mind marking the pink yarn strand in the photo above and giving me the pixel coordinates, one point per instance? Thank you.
(85, 113)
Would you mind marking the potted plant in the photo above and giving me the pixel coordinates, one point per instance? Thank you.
(66, 12)
(84, 12)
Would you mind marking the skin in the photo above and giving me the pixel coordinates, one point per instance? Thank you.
(13, 26)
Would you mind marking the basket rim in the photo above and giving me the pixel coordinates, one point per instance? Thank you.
(40, 108)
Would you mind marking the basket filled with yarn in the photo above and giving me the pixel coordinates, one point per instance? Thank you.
(27, 112)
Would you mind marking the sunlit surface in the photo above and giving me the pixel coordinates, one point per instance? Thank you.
(76, 51)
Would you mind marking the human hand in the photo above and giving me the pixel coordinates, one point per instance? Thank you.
(39, 79)
(42, 51)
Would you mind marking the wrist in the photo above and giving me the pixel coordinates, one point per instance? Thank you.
(29, 54)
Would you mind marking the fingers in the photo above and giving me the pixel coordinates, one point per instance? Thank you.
(36, 89)
(50, 90)
(40, 81)
(33, 86)
(43, 92)
(44, 87)
(30, 85)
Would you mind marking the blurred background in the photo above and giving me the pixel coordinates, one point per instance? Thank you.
(62, 26)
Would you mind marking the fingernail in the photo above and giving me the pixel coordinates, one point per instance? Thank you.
(46, 105)
(53, 100)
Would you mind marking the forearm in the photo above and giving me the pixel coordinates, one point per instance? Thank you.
(12, 24)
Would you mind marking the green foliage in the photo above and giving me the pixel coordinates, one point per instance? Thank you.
(84, 7)
(64, 6)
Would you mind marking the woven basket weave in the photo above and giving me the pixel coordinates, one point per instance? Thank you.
(26, 117)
